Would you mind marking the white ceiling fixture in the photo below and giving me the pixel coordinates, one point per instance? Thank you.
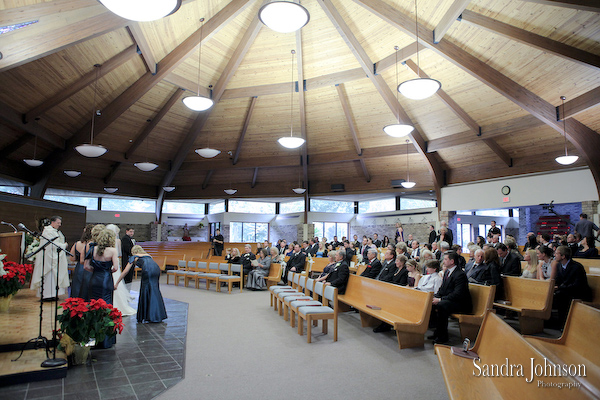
(419, 88)
(566, 159)
(284, 16)
(142, 10)
(230, 191)
(198, 103)
(399, 129)
(33, 162)
(146, 166)
(207, 152)
(92, 150)
(110, 189)
(291, 142)
(72, 173)
(408, 184)
(168, 189)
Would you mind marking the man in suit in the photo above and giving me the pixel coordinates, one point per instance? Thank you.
(355, 241)
(452, 297)
(410, 240)
(127, 243)
(305, 247)
(295, 263)
(312, 247)
(373, 265)
(486, 273)
(474, 262)
(432, 234)
(388, 267)
(376, 240)
(338, 278)
(570, 282)
(510, 264)
(349, 251)
(336, 243)
(415, 252)
(436, 252)
(247, 258)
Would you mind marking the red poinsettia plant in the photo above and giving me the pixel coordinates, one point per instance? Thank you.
(13, 277)
(83, 320)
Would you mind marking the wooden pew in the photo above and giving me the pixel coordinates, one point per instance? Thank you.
(483, 301)
(318, 265)
(531, 298)
(498, 344)
(575, 345)
(591, 265)
(274, 275)
(406, 309)
(594, 283)
(161, 263)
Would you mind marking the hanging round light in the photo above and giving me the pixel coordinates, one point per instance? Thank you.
(110, 189)
(230, 191)
(408, 184)
(72, 173)
(168, 189)
(291, 142)
(92, 150)
(566, 159)
(299, 190)
(283, 16)
(399, 129)
(142, 10)
(33, 162)
(419, 88)
(197, 102)
(146, 166)
(207, 152)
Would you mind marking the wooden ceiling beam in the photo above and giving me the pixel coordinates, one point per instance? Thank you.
(254, 176)
(209, 173)
(579, 104)
(531, 39)
(135, 30)
(238, 150)
(349, 119)
(585, 140)
(111, 174)
(363, 165)
(451, 15)
(404, 54)
(584, 5)
(186, 84)
(81, 83)
(14, 118)
(14, 145)
(336, 19)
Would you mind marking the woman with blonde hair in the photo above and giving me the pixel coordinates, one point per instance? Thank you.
(399, 233)
(530, 270)
(121, 297)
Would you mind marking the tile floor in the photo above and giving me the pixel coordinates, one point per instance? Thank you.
(147, 360)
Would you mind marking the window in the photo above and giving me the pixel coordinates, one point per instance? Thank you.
(130, 205)
(484, 229)
(179, 207)
(331, 229)
(248, 232)
(410, 204)
(13, 190)
(215, 208)
(331, 206)
(465, 212)
(492, 213)
(376, 206)
(291, 207)
(213, 227)
(464, 236)
(90, 203)
(254, 207)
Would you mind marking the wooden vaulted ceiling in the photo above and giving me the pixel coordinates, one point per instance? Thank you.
(503, 65)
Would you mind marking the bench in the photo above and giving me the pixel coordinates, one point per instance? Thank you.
(274, 275)
(483, 301)
(594, 284)
(531, 298)
(406, 309)
(574, 346)
(498, 344)
(591, 265)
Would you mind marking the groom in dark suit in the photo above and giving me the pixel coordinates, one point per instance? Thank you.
(571, 283)
(127, 243)
(452, 297)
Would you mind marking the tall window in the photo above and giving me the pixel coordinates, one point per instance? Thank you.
(130, 205)
(291, 207)
(493, 213)
(376, 206)
(254, 207)
(483, 230)
(215, 208)
(180, 207)
(13, 189)
(213, 227)
(331, 206)
(464, 235)
(331, 229)
(90, 203)
(411, 204)
(248, 232)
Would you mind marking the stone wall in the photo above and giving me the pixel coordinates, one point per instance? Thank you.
(529, 216)
(287, 232)
(420, 231)
(142, 231)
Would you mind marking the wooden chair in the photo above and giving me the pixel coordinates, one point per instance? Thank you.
(482, 298)
(294, 303)
(324, 313)
(276, 288)
(300, 283)
(181, 264)
(229, 278)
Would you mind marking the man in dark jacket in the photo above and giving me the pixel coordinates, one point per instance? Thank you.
(127, 243)
(510, 262)
(373, 265)
(571, 283)
(338, 278)
(295, 263)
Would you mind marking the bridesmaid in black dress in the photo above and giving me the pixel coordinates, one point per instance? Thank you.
(151, 307)
(81, 277)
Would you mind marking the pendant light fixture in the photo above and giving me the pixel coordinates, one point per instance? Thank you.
(207, 152)
(230, 191)
(168, 189)
(408, 184)
(72, 173)
(92, 150)
(146, 166)
(291, 142)
(198, 103)
(33, 162)
(419, 88)
(142, 10)
(283, 16)
(398, 130)
(110, 189)
(566, 159)
(299, 189)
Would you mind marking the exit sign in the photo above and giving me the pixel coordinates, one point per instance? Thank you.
(506, 199)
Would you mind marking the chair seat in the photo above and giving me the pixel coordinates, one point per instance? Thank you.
(208, 275)
(228, 277)
(279, 287)
(314, 310)
(305, 303)
(172, 272)
(285, 295)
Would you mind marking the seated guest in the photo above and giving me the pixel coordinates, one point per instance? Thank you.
(256, 277)
(489, 272)
(409, 241)
(570, 283)
(416, 251)
(572, 244)
(336, 243)
(338, 277)
(275, 256)
(511, 243)
(355, 242)
(475, 261)
(472, 249)
(233, 256)
(436, 252)
(295, 263)
(247, 258)
(400, 275)
(329, 267)
(385, 242)
(312, 248)
(305, 247)
(545, 239)
(530, 271)
(480, 241)
(509, 263)
(426, 255)
(531, 242)
(461, 260)
(349, 251)
(321, 250)
(414, 273)
(546, 265)
(388, 266)
(373, 265)
(432, 281)
(452, 297)
(588, 249)
(402, 249)
(328, 249)
(376, 241)
(290, 250)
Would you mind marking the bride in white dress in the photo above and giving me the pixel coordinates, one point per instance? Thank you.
(121, 297)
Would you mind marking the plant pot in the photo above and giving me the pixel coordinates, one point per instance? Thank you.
(80, 354)
(5, 303)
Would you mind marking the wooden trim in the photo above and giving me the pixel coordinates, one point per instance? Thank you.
(579, 104)
(238, 150)
(456, 8)
(348, 113)
(15, 119)
(529, 38)
(584, 5)
(138, 37)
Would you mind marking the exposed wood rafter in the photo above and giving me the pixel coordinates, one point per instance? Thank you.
(135, 30)
(363, 165)
(15, 119)
(348, 113)
(207, 178)
(456, 8)
(238, 150)
(254, 176)
(579, 104)
(585, 5)
(14, 145)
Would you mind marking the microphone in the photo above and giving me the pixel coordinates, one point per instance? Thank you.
(9, 224)
(24, 228)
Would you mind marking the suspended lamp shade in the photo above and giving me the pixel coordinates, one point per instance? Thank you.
(198, 103)
(207, 152)
(146, 166)
(72, 173)
(168, 189)
(398, 130)
(408, 184)
(142, 10)
(91, 150)
(299, 190)
(419, 88)
(283, 16)
(566, 160)
(230, 191)
(110, 189)
(291, 142)
(32, 162)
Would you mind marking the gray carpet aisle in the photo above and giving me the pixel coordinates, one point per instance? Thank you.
(239, 348)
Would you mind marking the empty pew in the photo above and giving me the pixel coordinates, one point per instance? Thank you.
(406, 309)
(482, 298)
(594, 284)
(591, 265)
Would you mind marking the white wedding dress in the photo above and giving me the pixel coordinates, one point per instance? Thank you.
(121, 296)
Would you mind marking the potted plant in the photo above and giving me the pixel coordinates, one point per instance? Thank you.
(12, 278)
